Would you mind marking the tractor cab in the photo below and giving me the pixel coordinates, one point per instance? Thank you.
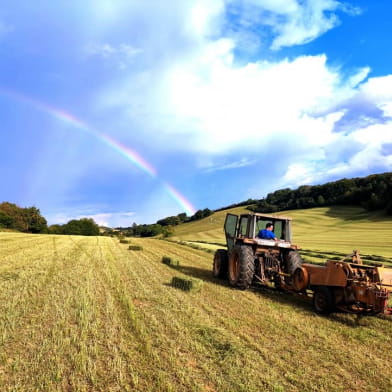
(246, 227)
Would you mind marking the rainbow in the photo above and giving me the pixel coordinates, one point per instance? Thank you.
(129, 154)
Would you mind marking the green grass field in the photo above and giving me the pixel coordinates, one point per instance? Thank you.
(87, 314)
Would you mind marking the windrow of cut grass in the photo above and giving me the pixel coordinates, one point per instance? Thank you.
(328, 229)
(87, 314)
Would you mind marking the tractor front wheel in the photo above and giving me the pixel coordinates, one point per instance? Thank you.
(241, 266)
(219, 267)
(323, 300)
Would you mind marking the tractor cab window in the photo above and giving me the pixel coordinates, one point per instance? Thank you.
(278, 227)
(243, 226)
(260, 225)
(230, 230)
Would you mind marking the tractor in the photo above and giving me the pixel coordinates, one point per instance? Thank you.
(348, 284)
(249, 258)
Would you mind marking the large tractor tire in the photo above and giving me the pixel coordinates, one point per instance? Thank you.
(220, 264)
(323, 300)
(241, 266)
(294, 261)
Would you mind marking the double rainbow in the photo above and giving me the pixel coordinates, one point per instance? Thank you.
(131, 155)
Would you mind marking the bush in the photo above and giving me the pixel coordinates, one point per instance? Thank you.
(135, 247)
(187, 284)
(170, 261)
(124, 241)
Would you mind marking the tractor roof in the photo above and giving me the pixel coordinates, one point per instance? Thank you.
(269, 216)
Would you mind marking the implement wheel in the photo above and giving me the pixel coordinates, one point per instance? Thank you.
(323, 300)
(241, 266)
(300, 279)
(220, 264)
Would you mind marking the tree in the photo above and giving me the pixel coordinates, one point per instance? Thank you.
(169, 221)
(167, 231)
(150, 230)
(28, 220)
(17, 215)
(182, 217)
(72, 227)
(200, 214)
(84, 226)
(55, 229)
(5, 220)
(320, 200)
(36, 222)
(89, 227)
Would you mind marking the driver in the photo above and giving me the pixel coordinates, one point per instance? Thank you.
(267, 233)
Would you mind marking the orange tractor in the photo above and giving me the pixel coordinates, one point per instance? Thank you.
(347, 285)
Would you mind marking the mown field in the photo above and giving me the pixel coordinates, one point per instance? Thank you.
(87, 314)
(321, 232)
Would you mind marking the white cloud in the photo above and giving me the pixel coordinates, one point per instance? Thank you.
(299, 174)
(210, 105)
(106, 50)
(386, 108)
(355, 79)
(123, 55)
(112, 219)
(366, 156)
(378, 89)
(291, 22)
(305, 22)
(243, 162)
(203, 15)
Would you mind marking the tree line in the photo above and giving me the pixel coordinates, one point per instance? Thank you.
(183, 218)
(372, 193)
(30, 220)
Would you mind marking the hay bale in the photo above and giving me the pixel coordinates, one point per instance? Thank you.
(124, 241)
(187, 284)
(170, 261)
(135, 247)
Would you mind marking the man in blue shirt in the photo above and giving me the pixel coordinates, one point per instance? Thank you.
(267, 233)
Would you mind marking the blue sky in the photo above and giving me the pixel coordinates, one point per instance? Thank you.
(130, 111)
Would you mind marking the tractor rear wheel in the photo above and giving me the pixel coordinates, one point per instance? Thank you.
(241, 266)
(294, 261)
(323, 300)
(220, 264)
